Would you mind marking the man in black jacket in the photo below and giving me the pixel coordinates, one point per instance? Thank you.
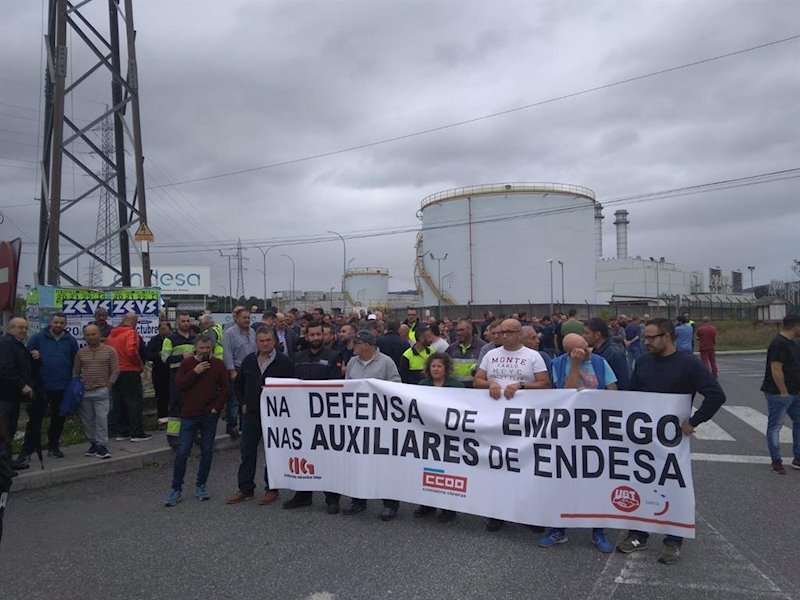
(17, 383)
(317, 363)
(265, 362)
(160, 372)
(665, 370)
(596, 333)
(391, 344)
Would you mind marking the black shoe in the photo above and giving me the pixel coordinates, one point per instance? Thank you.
(355, 508)
(388, 514)
(18, 466)
(446, 516)
(424, 511)
(297, 503)
(233, 432)
(494, 524)
(777, 466)
(23, 458)
(333, 508)
(55, 453)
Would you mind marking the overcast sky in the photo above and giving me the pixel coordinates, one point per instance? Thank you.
(233, 85)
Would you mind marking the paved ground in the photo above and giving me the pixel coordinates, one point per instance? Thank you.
(110, 537)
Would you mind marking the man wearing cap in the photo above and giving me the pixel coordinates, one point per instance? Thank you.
(370, 363)
(412, 363)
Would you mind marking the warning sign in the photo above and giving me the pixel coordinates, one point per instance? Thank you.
(144, 234)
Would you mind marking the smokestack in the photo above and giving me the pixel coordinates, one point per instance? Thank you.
(598, 230)
(621, 221)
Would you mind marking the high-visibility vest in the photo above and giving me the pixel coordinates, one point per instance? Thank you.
(215, 332)
(416, 360)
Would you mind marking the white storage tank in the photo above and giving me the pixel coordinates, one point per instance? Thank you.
(497, 239)
(367, 286)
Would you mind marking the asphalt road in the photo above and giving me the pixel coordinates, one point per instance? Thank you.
(111, 538)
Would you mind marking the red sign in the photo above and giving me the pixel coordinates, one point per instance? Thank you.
(9, 265)
(443, 481)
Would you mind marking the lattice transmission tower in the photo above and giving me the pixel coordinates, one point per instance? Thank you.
(107, 212)
(239, 270)
(86, 40)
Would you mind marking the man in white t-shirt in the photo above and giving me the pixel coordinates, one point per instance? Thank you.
(509, 368)
(512, 366)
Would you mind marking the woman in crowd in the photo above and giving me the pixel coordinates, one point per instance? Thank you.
(438, 373)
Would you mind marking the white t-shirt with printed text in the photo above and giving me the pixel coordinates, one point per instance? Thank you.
(505, 367)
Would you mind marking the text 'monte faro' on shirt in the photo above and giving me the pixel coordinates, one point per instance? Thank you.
(505, 367)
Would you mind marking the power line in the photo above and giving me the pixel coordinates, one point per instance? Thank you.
(483, 117)
(724, 184)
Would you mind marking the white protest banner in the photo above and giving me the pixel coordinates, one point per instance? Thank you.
(565, 458)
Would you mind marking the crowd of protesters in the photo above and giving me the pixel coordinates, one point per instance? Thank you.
(201, 372)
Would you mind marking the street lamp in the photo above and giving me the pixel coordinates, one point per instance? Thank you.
(344, 264)
(264, 272)
(550, 261)
(439, 275)
(222, 287)
(291, 259)
(752, 288)
(561, 262)
(658, 283)
(230, 280)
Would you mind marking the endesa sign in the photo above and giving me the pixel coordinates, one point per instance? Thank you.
(176, 281)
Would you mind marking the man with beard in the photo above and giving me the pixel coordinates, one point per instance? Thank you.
(317, 363)
(54, 349)
(665, 370)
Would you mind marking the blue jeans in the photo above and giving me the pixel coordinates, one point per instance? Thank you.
(207, 424)
(632, 352)
(778, 407)
(249, 445)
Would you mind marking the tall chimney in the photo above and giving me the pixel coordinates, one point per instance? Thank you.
(598, 230)
(621, 221)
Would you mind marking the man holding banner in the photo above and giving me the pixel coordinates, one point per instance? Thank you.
(665, 370)
(579, 369)
(317, 363)
(508, 369)
(255, 368)
(369, 363)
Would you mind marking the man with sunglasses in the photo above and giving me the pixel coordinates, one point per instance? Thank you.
(507, 369)
(665, 370)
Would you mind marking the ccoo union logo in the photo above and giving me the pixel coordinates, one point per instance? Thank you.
(625, 498)
(300, 466)
(439, 481)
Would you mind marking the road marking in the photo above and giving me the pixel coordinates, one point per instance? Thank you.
(731, 458)
(736, 575)
(711, 431)
(758, 421)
